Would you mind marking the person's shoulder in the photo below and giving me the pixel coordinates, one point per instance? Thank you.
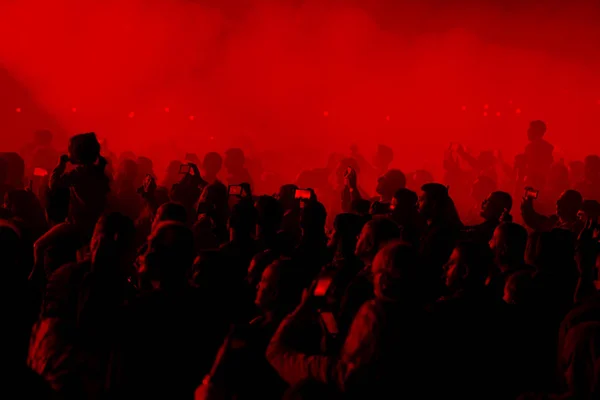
(70, 270)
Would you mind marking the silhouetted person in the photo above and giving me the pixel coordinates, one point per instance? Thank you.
(388, 184)
(383, 348)
(567, 207)
(495, 207)
(589, 187)
(406, 214)
(442, 230)
(538, 155)
(235, 165)
(211, 166)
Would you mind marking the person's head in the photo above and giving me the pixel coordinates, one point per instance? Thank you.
(519, 289)
(404, 203)
(145, 166)
(568, 204)
(482, 187)
(536, 130)
(25, 205)
(14, 169)
(390, 182)
(173, 212)
(509, 243)
(383, 157)
(589, 209)
(234, 159)
(395, 273)
(243, 219)
(592, 168)
(469, 266)
(112, 244)
(494, 205)
(346, 229)
(212, 164)
(433, 201)
(270, 214)
(279, 289)
(374, 235)
(42, 137)
(313, 217)
(84, 149)
(169, 256)
(287, 195)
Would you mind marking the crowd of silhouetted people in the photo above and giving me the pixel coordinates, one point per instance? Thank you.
(357, 280)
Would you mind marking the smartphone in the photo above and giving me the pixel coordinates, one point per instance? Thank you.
(41, 172)
(329, 322)
(531, 193)
(184, 169)
(235, 190)
(322, 286)
(303, 194)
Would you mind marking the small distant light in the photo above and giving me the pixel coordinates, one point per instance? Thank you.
(167, 109)
(73, 109)
(212, 138)
(18, 109)
(485, 113)
(498, 114)
(486, 106)
(464, 108)
(387, 118)
(192, 117)
(131, 114)
(518, 111)
(326, 113)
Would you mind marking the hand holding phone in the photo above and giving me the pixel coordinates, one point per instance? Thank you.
(40, 172)
(235, 190)
(531, 193)
(184, 169)
(303, 194)
(322, 286)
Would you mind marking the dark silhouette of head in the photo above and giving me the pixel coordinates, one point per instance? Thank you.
(313, 217)
(435, 202)
(212, 164)
(286, 196)
(389, 183)
(395, 273)
(509, 243)
(404, 203)
(270, 215)
(383, 157)
(279, 289)
(568, 204)
(243, 220)
(173, 212)
(494, 205)
(374, 235)
(469, 266)
(169, 256)
(346, 229)
(84, 149)
(112, 245)
(536, 130)
(520, 289)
